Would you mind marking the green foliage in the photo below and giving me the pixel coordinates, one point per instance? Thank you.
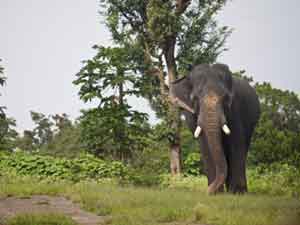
(27, 141)
(162, 21)
(52, 135)
(192, 164)
(84, 167)
(66, 141)
(43, 133)
(277, 137)
(40, 219)
(7, 131)
(275, 179)
(113, 127)
(8, 134)
(154, 29)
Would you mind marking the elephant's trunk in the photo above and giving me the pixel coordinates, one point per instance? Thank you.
(213, 121)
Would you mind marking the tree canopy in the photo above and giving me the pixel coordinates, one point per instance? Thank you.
(160, 40)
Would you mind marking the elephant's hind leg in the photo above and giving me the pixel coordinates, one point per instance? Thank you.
(236, 181)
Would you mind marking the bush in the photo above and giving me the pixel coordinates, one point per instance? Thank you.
(275, 179)
(41, 219)
(84, 167)
(192, 164)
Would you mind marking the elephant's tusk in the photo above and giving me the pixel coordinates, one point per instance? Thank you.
(226, 129)
(197, 132)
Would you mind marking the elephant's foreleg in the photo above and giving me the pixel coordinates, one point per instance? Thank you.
(209, 166)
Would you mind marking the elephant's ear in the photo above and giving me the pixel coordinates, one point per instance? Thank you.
(181, 91)
(226, 75)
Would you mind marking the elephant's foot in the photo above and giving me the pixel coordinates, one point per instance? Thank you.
(237, 188)
(217, 186)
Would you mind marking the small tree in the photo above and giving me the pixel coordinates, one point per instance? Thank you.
(61, 122)
(3, 120)
(43, 132)
(169, 35)
(113, 127)
(27, 142)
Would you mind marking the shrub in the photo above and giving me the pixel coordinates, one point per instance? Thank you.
(192, 164)
(84, 167)
(275, 179)
(41, 219)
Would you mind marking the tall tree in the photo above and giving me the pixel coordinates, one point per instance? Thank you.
(4, 125)
(2, 77)
(113, 127)
(170, 35)
(7, 132)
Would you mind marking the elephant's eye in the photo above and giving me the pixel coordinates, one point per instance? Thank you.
(227, 100)
(192, 97)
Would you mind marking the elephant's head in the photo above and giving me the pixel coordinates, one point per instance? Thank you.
(206, 92)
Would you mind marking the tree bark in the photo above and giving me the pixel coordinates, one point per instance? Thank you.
(175, 147)
(175, 156)
(173, 112)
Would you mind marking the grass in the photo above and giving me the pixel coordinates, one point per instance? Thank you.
(150, 206)
(40, 219)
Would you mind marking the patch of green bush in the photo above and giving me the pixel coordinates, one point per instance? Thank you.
(275, 179)
(84, 167)
(41, 219)
(192, 164)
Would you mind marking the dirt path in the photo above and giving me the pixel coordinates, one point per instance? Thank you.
(46, 204)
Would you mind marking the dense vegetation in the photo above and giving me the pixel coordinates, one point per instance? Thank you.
(114, 145)
(276, 179)
(276, 139)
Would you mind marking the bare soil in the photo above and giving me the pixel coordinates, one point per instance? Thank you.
(12, 206)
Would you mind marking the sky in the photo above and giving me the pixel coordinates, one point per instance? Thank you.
(43, 43)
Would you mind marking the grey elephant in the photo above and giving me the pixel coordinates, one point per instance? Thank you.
(222, 112)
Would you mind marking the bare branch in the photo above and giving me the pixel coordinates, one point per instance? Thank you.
(181, 6)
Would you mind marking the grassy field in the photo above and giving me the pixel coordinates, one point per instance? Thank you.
(150, 206)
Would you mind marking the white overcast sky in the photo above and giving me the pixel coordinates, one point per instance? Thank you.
(43, 42)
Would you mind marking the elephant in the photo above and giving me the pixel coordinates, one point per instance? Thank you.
(222, 111)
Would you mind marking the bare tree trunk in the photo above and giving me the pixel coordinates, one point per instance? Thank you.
(174, 117)
(175, 151)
